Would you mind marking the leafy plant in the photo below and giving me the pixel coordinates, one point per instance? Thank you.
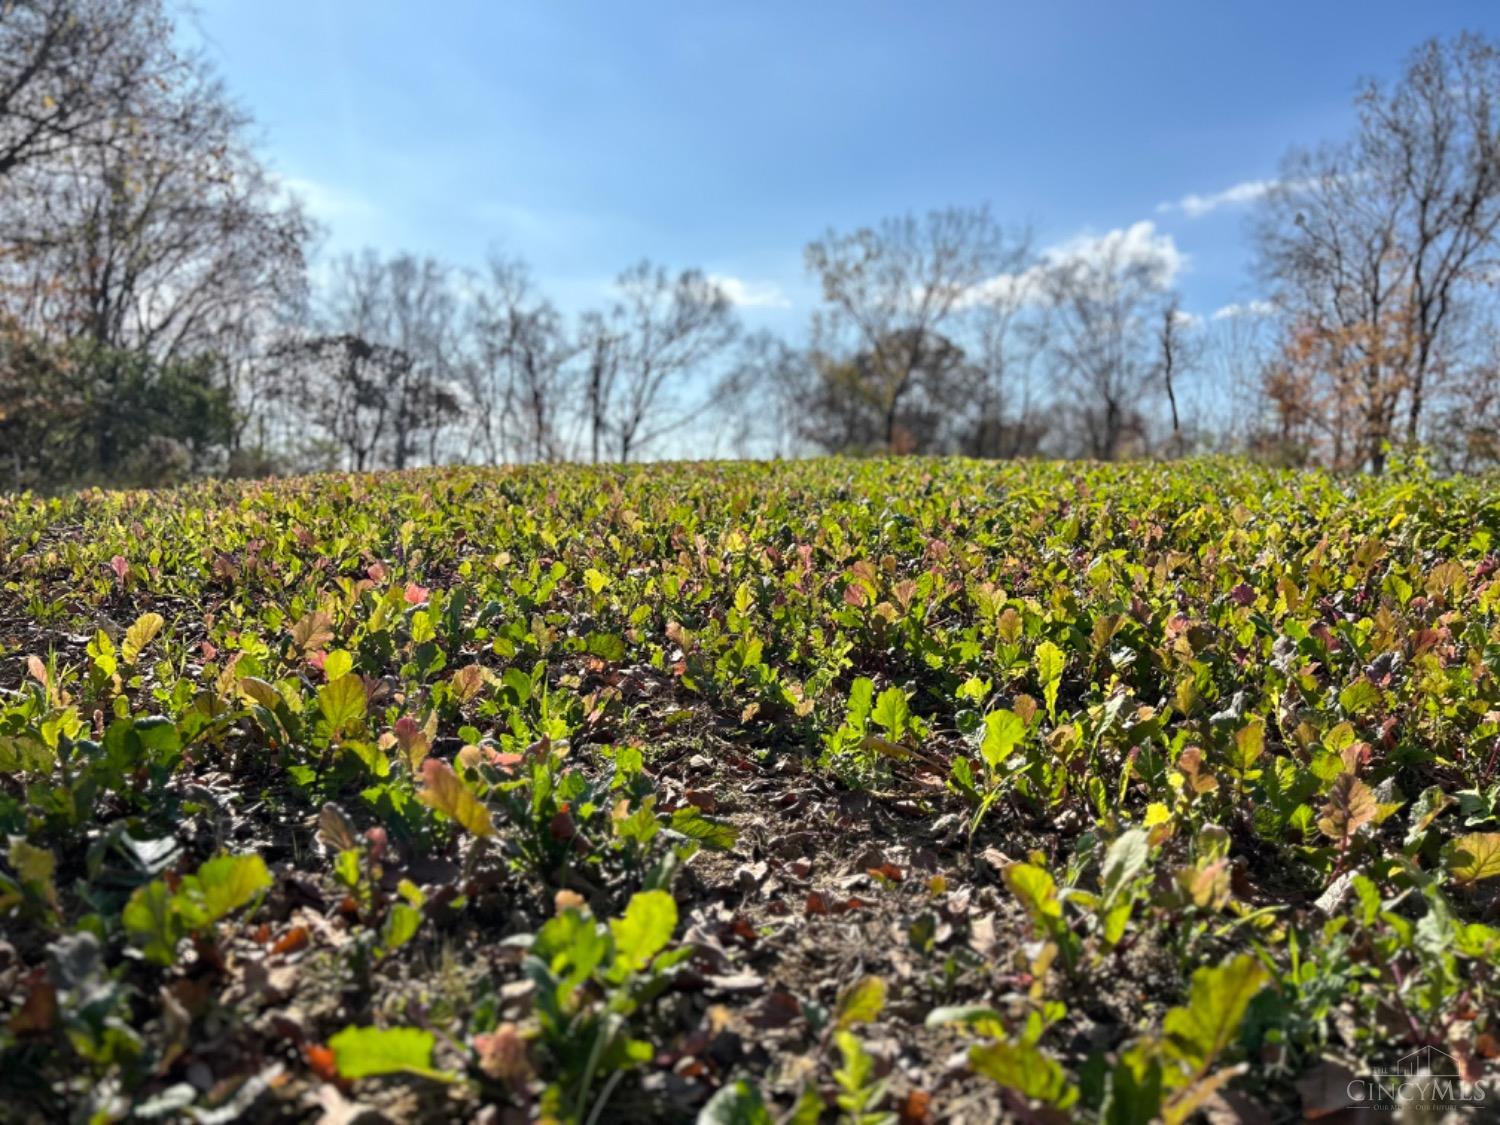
(158, 917)
(591, 979)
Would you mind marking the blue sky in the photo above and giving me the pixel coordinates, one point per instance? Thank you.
(583, 136)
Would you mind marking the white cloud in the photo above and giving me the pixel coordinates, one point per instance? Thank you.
(751, 294)
(1252, 308)
(1136, 246)
(328, 204)
(1194, 206)
(1006, 288)
(1185, 319)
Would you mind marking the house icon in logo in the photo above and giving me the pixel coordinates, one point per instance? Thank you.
(1427, 1060)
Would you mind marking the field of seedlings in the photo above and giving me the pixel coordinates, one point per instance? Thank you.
(858, 791)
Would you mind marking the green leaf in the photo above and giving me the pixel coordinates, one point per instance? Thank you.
(158, 919)
(152, 922)
(518, 683)
(337, 664)
(1134, 1094)
(346, 867)
(1023, 1068)
(1249, 744)
(226, 883)
(647, 925)
(363, 1052)
(36, 868)
(400, 926)
(1035, 890)
(862, 1003)
(809, 1107)
(1049, 669)
(606, 646)
(33, 864)
(343, 703)
(861, 699)
(158, 734)
(1201, 1031)
(1428, 806)
(571, 946)
(25, 753)
(1125, 860)
(1359, 697)
(690, 821)
(892, 712)
(736, 1104)
(1003, 731)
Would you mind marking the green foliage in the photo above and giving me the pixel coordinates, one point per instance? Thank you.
(1026, 1070)
(82, 412)
(157, 918)
(859, 1091)
(1238, 755)
(591, 979)
(364, 1052)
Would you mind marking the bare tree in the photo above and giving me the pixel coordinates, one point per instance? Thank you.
(1104, 305)
(517, 374)
(1009, 336)
(639, 358)
(847, 409)
(167, 247)
(891, 289)
(762, 404)
(348, 389)
(1374, 246)
(169, 243)
(407, 306)
(1179, 352)
(80, 73)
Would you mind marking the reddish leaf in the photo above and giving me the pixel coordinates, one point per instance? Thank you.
(562, 827)
(702, 799)
(321, 1062)
(290, 942)
(916, 1108)
(39, 1012)
(1351, 805)
(778, 1009)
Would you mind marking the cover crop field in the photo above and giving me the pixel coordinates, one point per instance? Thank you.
(833, 790)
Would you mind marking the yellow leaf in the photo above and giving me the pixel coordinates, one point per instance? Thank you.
(1474, 857)
(446, 792)
(254, 688)
(468, 681)
(862, 1003)
(139, 635)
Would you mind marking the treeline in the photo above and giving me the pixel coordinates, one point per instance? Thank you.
(157, 319)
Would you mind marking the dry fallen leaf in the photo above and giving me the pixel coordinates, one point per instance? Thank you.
(1325, 1090)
